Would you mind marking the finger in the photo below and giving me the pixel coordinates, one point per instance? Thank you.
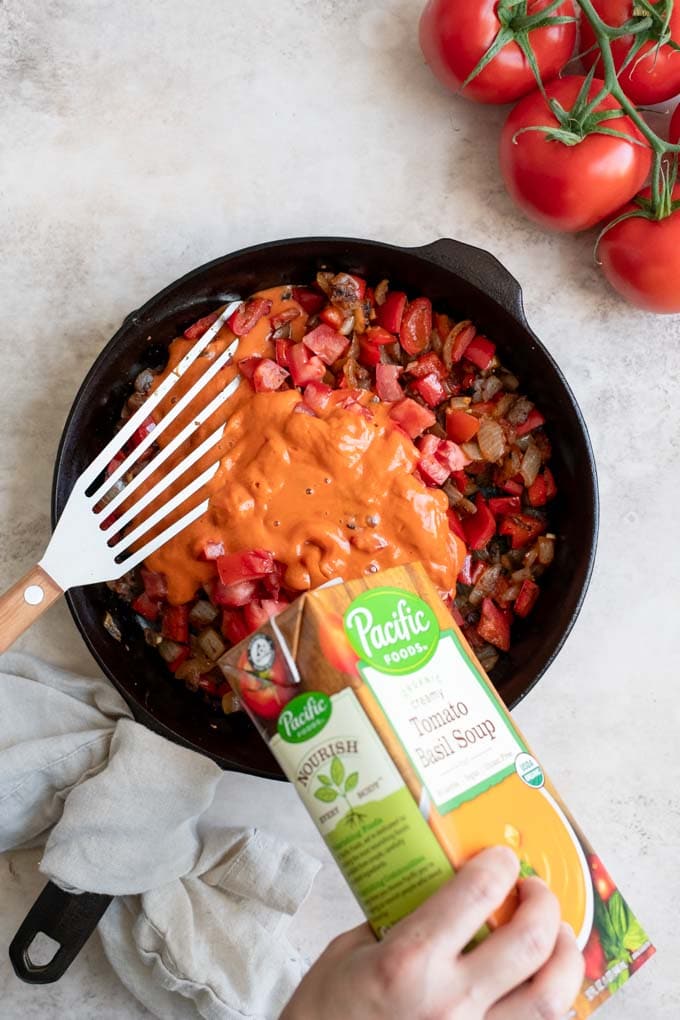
(551, 994)
(350, 940)
(517, 950)
(454, 914)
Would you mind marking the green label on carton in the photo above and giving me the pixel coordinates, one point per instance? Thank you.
(304, 717)
(392, 630)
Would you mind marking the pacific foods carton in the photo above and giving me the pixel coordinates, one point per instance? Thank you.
(378, 711)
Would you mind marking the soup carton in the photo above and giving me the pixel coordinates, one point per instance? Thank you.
(377, 710)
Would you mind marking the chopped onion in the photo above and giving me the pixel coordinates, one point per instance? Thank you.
(380, 292)
(202, 614)
(488, 656)
(486, 584)
(510, 381)
(546, 550)
(135, 401)
(447, 350)
(324, 281)
(520, 411)
(211, 644)
(459, 403)
(230, 703)
(347, 326)
(531, 557)
(522, 575)
(193, 668)
(112, 627)
(283, 332)
(472, 451)
(503, 406)
(531, 464)
(492, 386)
(491, 440)
(144, 380)
(152, 637)
(169, 650)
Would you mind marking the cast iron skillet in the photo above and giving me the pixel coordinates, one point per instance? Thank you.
(465, 281)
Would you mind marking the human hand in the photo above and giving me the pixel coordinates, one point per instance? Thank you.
(528, 969)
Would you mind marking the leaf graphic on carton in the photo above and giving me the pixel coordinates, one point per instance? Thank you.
(326, 794)
(337, 771)
(325, 780)
(351, 782)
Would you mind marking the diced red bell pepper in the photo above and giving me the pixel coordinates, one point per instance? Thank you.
(304, 367)
(533, 421)
(370, 354)
(175, 623)
(379, 336)
(317, 396)
(247, 565)
(455, 524)
(428, 445)
(461, 342)
(181, 657)
(200, 327)
(326, 343)
(115, 463)
(211, 549)
(412, 417)
(311, 301)
(426, 364)
(526, 599)
(332, 316)
(416, 326)
(147, 607)
(155, 583)
(433, 471)
(142, 432)
(237, 594)
(234, 626)
(247, 366)
(461, 427)
(501, 505)
(387, 382)
(284, 317)
(257, 612)
(431, 389)
(480, 352)
(268, 376)
(281, 348)
(521, 529)
(479, 528)
(451, 455)
(550, 484)
(248, 315)
(391, 311)
(494, 625)
(537, 492)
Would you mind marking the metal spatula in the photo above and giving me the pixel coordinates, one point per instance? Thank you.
(79, 551)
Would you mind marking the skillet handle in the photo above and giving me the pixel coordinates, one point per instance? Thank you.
(69, 919)
(480, 268)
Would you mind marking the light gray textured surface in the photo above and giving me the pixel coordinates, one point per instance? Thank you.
(140, 140)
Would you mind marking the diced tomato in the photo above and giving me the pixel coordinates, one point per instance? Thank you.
(461, 342)
(494, 625)
(501, 505)
(378, 336)
(143, 431)
(247, 366)
(248, 315)
(513, 486)
(433, 471)
(479, 528)
(480, 352)
(391, 311)
(282, 347)
(237, 594)
(147, 607)
(234, 626)
(311, 301)
(211, 549)
(451, 455)
(326, 343)
(550, 484)
(284, 317)
(268, 376)
(412, 417)
(426, 365)
(537, 493)
(257, 612)
(461, 427)
(428, 445)
(332, 316)
(416, 326)
(175, 623)
(247, 565)
(521, 529)
(387, 382)
(526, 599)
(317, 396)
(115, 463)
(370, 354)
(155, 583)
(181, 657)
(455, 524)
(534, 420)
(273, 582)
(431, 389)
(200, 327)
(304, 367)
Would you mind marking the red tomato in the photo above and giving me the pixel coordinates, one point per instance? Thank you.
(245, 317)
(431, 389)
(233, 625)
(391, 311)
(412, 417)
(601, 878)
(387, 382)
(311, 301)
(196, 331)
(326, 343)
(317, 396)
(494, 625)
(304, 367)
(651, 77)
(335, 646)
(641, 260)
(175, 623)
(155, 584)
(461, 427)
(570, 187)
(455, 35)
(268, 376)
(416, 326)
(257, 612)
(247, 565)
(593, 954)
(264, 698)
(526, 600)
(675, 125)
(146, 607)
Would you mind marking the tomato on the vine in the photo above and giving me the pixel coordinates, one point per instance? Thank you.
(674, 134)
(456, 34)
(601, 878)
(641, 258)
(571, 185)
(652, 76)
(593, 954)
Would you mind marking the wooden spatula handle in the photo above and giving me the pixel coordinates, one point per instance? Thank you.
(24, 603)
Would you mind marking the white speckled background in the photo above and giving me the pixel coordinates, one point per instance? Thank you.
(140, 140)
